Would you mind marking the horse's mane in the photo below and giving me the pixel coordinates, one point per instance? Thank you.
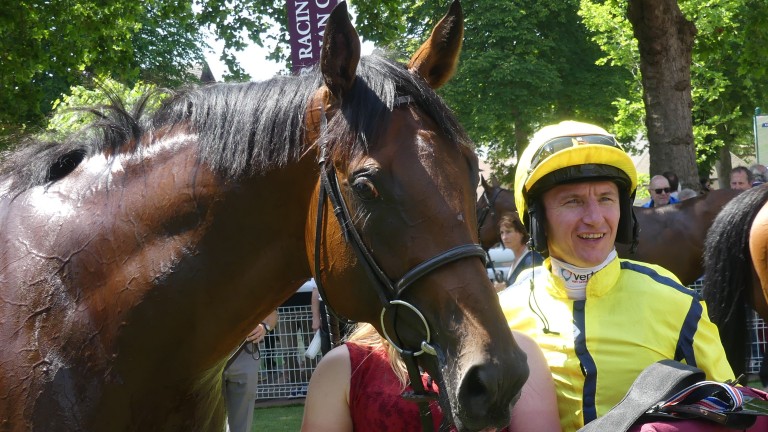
(244, 129)
(727, 266)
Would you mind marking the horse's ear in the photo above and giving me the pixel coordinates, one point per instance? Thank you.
(341, 52)
(438, 57)
(484, 183)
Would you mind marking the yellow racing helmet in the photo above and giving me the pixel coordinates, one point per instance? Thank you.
(572, 152)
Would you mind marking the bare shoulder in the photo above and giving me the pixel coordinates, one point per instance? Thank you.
(536, 359)
(333, 370)
(526, 342)
(327, 405)
(536, 410)
(335, 360)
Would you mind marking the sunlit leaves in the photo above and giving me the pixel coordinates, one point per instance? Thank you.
(69, 116)
(527, 63)
(48, 46)
(729, 71)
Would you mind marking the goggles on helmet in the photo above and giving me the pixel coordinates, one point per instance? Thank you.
(561, 143)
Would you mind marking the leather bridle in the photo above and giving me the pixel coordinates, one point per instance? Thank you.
(390, 292)
(486, 209)
(482, 214)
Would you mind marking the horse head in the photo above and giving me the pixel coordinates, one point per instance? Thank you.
(491, 205)
(393, 231)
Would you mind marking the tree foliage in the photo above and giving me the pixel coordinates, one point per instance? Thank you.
(69, 112)
(49, 46)
(46, 45)
(728, 74)
(732, 77)
(240, 22)
(528, 63)
(525, 63)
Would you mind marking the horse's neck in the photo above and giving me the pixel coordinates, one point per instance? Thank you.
(166, 237)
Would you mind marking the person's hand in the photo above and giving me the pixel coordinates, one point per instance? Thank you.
(315, 323)
(499, 286)
(257, 334)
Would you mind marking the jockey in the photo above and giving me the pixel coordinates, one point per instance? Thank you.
(600, 320)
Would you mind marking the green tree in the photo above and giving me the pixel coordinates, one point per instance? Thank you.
(168, 47)
(731, 78)
(240, 22)
(68, 114)
(727, 77)
(665, 42)
(46, 46)
(49, 46)
(524, 63)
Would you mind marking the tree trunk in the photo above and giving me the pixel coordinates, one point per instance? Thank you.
(665, 39)
(723, 167)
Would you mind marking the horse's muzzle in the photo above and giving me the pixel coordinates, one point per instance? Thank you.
(487, 392)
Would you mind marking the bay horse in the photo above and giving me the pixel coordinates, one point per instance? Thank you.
(135, 259)
(736, 270)
(671, 236)
(492, 203)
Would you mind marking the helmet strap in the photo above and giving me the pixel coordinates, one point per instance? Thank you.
(628, 228)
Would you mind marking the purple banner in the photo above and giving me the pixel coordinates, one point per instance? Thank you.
(306, 24)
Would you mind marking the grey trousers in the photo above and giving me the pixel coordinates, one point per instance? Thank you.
(240, 381)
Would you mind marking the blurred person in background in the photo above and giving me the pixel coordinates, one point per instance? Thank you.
(241, 377)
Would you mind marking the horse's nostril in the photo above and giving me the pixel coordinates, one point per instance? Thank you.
(485, 394)
(482, 389)
(475, 392)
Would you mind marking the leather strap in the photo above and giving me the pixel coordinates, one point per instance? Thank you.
(656, 383)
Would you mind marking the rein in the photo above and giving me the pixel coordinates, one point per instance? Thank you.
(390, 292)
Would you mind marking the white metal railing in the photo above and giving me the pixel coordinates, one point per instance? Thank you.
(285, 370)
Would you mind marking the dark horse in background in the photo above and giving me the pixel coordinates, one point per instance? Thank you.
(736, 270)
(671, 236)
(133, 263)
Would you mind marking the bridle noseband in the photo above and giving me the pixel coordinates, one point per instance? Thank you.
(390, 292)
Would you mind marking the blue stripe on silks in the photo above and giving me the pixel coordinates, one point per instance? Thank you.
(588, 367)
(684, 349)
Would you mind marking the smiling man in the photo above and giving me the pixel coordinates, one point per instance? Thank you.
(600, 320)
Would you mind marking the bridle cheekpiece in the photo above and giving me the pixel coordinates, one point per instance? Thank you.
(389, 292)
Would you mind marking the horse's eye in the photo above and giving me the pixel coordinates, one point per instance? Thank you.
(365, 189)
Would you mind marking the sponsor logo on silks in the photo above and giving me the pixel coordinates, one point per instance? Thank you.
(569, 276)
(566, 274)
